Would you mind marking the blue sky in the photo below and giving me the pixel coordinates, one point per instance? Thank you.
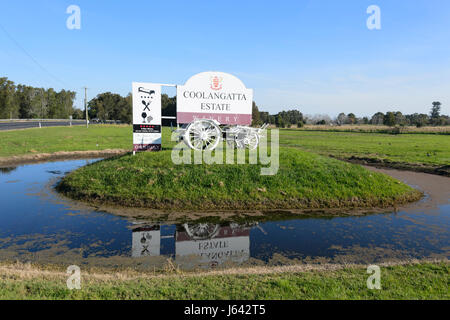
(317, 56)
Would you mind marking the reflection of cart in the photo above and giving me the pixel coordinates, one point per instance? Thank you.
(206, 134)
(201, 231)
(209, 231)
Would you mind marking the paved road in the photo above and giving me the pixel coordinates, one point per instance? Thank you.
(35, 124)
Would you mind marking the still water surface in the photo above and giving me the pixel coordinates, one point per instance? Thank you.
(37, 226)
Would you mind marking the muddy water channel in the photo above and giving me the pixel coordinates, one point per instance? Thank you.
(36, 225)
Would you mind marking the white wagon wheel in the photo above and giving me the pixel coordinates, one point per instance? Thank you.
(202, 135)
(252, 141)
(202, 231)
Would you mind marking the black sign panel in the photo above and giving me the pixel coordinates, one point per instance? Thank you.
(146, 128)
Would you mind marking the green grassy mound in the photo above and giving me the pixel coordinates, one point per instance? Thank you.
(304, 181)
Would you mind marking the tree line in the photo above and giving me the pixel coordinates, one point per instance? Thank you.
(391, 118)
(112, 106)
(396, 118)
(26, 102)
(281, 119)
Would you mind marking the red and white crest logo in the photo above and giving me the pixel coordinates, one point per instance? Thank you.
(216, 83)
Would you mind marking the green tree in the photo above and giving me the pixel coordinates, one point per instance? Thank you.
(351, 118)
(52, 104)
(280, 122)
(8, 105)
(341, 119)
(111, 106)
(168, 105)
(400, 118)
(435, 112)
(321, 122)
(78, 114)
(103, 106)
(289, 117)
(377, 118)
(389, 119)
(264, 117)
(416, 119)
(26, 102)
(256, 118)
(23, 99)
(65, 100)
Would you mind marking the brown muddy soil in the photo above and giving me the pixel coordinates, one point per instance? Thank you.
(436, 188)
(383, 163)
(175, 216)
(60, 155)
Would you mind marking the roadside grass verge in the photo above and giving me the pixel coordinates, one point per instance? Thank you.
(410, 281)
(304, 181)
(54, 139)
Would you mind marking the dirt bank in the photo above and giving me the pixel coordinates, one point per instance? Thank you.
(60, 155)
(23, 271)
(436, 188)
(383, 163)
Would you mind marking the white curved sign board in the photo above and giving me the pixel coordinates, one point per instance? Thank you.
(227, 246)
(214, 95)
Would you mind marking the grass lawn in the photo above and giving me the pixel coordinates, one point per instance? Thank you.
(304, 180)
(416, 281)
(430, 149)
(76, 138)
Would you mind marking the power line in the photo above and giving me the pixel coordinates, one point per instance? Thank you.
(31, 57)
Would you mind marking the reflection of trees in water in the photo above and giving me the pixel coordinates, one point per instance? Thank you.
(7, 170)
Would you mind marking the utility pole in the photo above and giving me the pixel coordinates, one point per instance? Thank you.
(85, 107)
(42, 103)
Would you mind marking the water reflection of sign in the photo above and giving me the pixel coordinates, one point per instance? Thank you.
(214, 95)
(212, 245)
(146, 241)
(146, 116)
